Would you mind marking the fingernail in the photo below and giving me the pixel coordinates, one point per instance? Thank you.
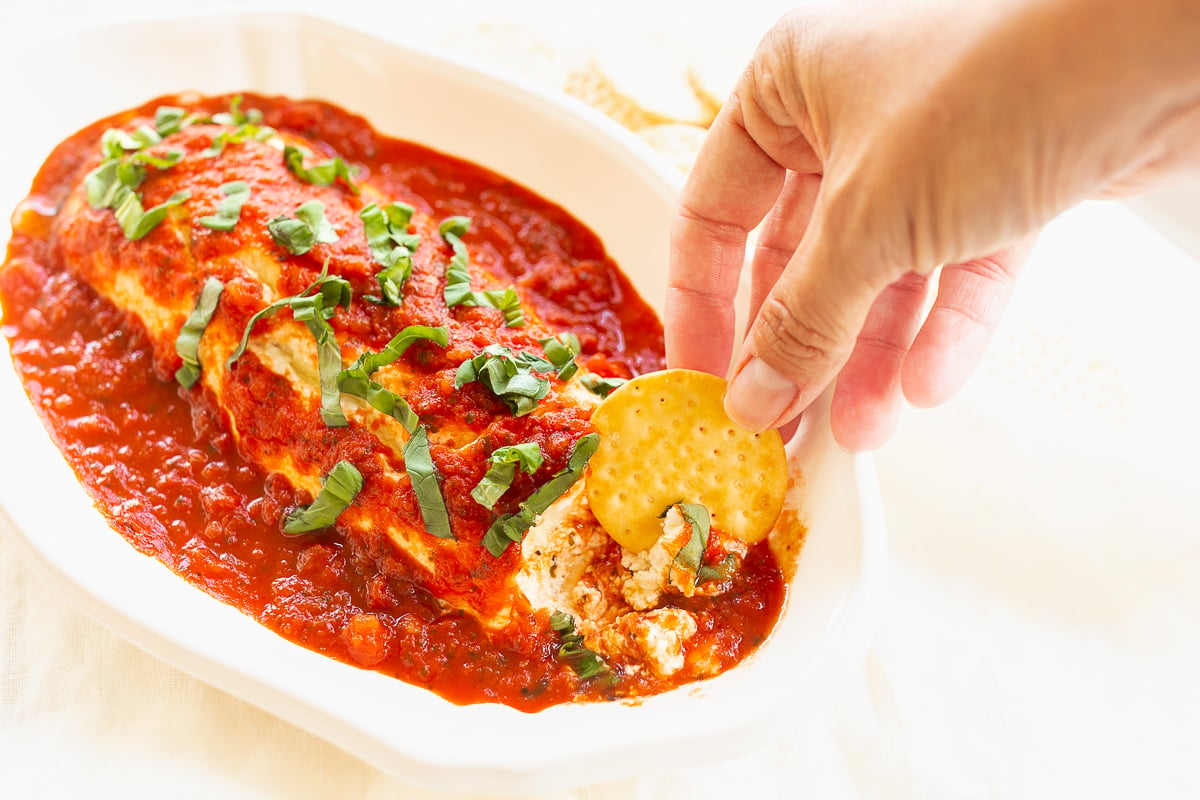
(759, 395)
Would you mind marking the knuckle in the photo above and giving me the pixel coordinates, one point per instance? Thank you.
(799, 345)
(974, 316)
(772, 255)
(992, 269)
(912, 283)
(721, 230)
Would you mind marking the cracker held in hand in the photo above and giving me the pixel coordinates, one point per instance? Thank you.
(665, 438)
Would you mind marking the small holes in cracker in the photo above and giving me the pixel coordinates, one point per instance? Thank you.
(699, 456)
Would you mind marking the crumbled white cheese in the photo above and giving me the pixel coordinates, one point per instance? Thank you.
(656, 638)
(589, 600)
(557, 550)
(651, 570)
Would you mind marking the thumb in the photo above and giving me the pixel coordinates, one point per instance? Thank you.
(805, 329)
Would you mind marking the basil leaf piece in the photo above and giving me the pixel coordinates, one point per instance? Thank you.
(243, 133)
(102, 182)
(312, 214)
(338, 490)
(561, 350)
(504, 462)
(390, 243)
(601, 386)
(511, 527)
(136, 221)
(719, 571)
(235, 115)
(299, 235)
(586, 662)
(124, 165)
(454, 226)
(230, 210)
(356, 379)
(246, 126)
(115, 143)
(508, 376)
(508, 302)
(368, 362)
(187, 343)
(315, 311)
(458, 278)
(418, 462)
(379, 398)
(697, 517)
(169, 120)
(329, 364)
(167, 161)
(324, 174)
(564, 479)
(339, 294)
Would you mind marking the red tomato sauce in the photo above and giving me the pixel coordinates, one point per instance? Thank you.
(168, 476)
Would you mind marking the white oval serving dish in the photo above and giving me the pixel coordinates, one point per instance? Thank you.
(569, 154)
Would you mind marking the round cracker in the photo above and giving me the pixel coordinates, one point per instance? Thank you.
(665, 438)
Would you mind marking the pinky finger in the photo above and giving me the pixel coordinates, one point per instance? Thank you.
(971, 298)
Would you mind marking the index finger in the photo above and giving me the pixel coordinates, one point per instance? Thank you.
(732, 186)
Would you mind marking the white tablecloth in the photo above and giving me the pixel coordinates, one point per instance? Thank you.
(1039, 635)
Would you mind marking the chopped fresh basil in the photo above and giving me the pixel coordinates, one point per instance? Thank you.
(300, 234)
(356, 379)
(242, 133)
(586, 662)
(458, 278)
(315, 314)
(564, 479)
(391, 283)
(418, 462)
(333, 290)
(338, 490)
(101, 183)
(368, 362)
(324, 174)
(230, 210)
(115, 143)
(561, 350)
(511, 527)
(503, 464)
(601, 386)
(508, 376)
(235, 115)
(508, 302)
(136, 221)
(458, 285)
(315, 306)
(246, 126)
(124, 167)
(692, 553)
(719, 571)
(167, 161)
(169, 120)
(454, 226)
(392, 246)
(187, 344)
(379, 398)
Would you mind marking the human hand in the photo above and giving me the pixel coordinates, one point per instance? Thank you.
(881, 146)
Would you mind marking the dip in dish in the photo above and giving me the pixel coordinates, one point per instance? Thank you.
(217, 303)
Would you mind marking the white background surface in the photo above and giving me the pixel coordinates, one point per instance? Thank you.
(1039, 638)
